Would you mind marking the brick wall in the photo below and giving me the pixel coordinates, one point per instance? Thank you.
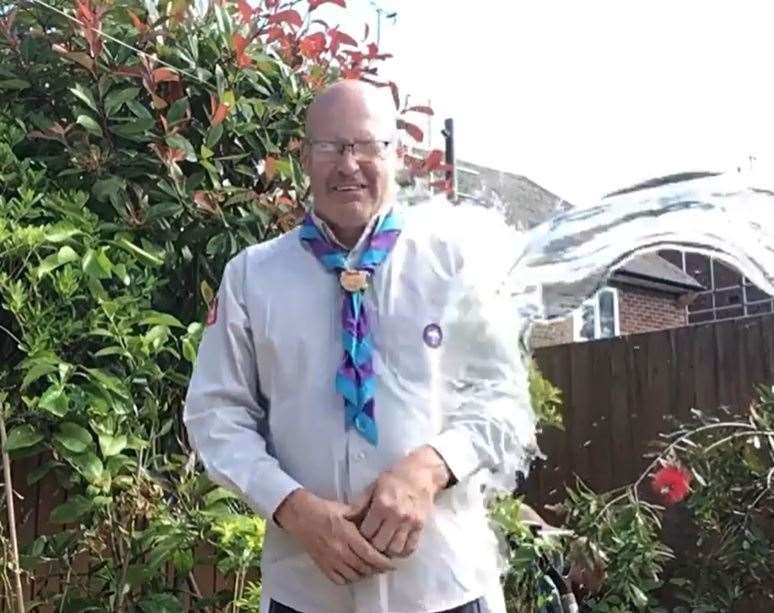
(555, 333)
(638, 311)
(644, 311)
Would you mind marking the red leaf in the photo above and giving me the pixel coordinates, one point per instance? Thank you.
(420, 109)
(240, 44)
(313, 4)
(270, 167)
(205, 201)
(415, 132)
(373, 53)
(85, 10)
(433, 161)
(275, 33)
(138, 24)
(219, 111)
(245, 10)
(395, 94)
(312, 46)
(164, 74)
(341, 38)
(290, 17)
(351, 72)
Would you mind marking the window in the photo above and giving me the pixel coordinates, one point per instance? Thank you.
(727, 294)
(597, 317)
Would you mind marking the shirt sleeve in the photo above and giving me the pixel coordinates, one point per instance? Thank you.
(222, 410)
(488, 418)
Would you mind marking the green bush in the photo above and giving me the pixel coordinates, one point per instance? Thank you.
(138, 153)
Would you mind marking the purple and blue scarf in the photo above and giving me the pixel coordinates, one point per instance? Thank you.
(355, 377)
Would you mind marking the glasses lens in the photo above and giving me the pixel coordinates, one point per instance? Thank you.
(368, 150)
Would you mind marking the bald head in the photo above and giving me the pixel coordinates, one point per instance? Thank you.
(349, 99)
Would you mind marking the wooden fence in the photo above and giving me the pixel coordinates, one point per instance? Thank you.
(618, 392)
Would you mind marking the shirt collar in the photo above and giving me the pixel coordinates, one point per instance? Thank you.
(325, 228)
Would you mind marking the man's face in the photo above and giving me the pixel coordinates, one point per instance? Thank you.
(349, 185)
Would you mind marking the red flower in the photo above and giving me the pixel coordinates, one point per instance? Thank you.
(671, 483)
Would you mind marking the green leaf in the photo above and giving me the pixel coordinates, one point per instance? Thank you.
(112, 350)
(183, 560)
(119, 270)
(133, 128)
(85, 95)
(107, 188)
(176, 141)
(36, 372)
(213, 135)
(115, 100)
(177, 111)
(109, 382)
(112, 445)
(61, 233)
(74, 437)
(161, 603)
(161, 319)
(140, 253)
(22, 437)
(136, 443)
(72, 510)
(65, 255)
(17, 84)
(189, 350)
(156, 336)
(92, 127)
(218, 495)
(96, 264)
(88, 464)
(54, 400)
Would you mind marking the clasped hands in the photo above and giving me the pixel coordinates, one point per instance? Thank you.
(350, 542)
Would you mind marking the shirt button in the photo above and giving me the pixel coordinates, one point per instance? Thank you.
(361, 456)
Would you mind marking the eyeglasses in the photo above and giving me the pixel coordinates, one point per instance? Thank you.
(362, 150)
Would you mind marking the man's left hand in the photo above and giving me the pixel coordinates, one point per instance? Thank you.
(393, 511)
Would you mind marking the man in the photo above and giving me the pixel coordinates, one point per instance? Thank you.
(321, 391)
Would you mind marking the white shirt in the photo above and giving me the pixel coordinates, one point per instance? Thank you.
(265, 419)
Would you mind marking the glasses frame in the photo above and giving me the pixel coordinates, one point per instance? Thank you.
(353, 146)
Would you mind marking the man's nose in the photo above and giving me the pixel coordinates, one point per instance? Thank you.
(347, 163)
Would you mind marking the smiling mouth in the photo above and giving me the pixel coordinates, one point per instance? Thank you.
(349, 188)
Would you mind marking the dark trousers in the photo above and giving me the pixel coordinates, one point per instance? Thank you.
(471, 607)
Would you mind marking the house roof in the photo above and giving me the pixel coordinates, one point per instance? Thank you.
(526, 204)
(651, 271)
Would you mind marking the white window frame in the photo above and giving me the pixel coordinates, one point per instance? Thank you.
(577, 316)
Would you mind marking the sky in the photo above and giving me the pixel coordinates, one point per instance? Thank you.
(586, 96)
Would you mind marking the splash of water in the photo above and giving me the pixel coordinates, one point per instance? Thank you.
(517, 279)
(568, 258)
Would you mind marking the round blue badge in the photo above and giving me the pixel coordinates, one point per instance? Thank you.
(432, 335)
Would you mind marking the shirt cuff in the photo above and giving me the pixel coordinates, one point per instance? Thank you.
(266, 497)
(457, 450)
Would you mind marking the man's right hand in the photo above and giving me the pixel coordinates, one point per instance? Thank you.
(334, 543)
